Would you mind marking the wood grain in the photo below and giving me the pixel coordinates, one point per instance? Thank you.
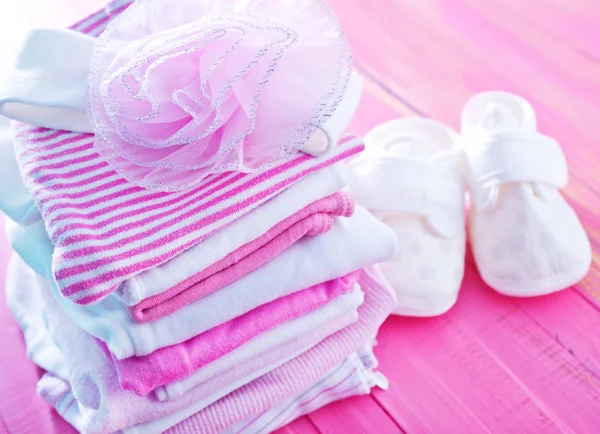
(302, 425)
(357, 415)
(493, 364)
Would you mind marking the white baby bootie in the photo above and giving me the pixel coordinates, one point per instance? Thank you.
(526, 239)
(410, 178)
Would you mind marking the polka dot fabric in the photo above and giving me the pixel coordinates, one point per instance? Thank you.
(426, 270)
(426, 211)
(537, 245)
(526, 239)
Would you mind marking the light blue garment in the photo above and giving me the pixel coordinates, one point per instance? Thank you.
(15, 200)
(47, 84)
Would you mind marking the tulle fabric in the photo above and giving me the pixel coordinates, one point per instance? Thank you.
(179, 90)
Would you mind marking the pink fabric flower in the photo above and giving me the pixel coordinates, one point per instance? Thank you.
(183, 89)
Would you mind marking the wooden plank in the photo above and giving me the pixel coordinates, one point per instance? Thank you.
(484, 367)
(3, 427)
(359, 414)
(590, 286)
(571, 321)
(302, 425)
(567, 317)
(376, 106)
(550, 74)
(574, 21)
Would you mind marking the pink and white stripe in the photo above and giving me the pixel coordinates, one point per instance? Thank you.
(342, 382)
(106, 230)
(351, 378)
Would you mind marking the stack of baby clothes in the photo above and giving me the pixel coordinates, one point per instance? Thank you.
(193, 266)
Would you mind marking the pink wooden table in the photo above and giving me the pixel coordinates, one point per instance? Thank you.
(493, 364)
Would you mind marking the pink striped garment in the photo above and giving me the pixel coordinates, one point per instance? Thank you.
(312, 220)
(173, 363)
(105, 229)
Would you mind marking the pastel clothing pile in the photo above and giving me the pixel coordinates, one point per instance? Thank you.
(187, 258)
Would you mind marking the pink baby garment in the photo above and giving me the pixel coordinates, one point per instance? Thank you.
(245, 362)
(105, 407)
(173, 363)
(270, 389)
(314, 219)
(80, 194)
(354, 376)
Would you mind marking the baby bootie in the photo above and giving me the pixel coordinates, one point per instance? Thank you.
(526, 239)
(410, 178)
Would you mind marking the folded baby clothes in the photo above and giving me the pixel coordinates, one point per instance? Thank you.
(353, 377)
(191, 258)
(262, 225)
(236, 367)
(106, 407)
(255, 358)
(245, 230)
(351, 244)
(148, 186)
(79, 200)
(341, 382)
(313, 219)
(173, 363)
(377, 294)
(164, 288)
